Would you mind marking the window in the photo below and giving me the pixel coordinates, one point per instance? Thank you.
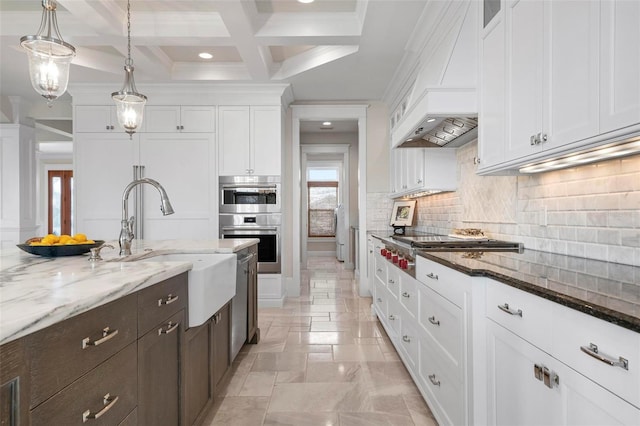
(60, 203)
(323, 200)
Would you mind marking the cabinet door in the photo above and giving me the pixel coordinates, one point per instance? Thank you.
(185, 166)
(103, 167)
(414, 167)
(233, 142)
(572, 58)
(162, 119)
(198, 365)
(253, 332)
(221, 344)
(515, 395)
(266, 140)
(491, 114)
(195, 119)
(524, 76)
(159, 359)
(619, 65)
(94, 119)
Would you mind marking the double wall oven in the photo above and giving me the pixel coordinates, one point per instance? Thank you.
(250, 208)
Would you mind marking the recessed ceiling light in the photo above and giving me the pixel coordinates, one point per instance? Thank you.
(205, 55)
(431, 120)
(326, 123)
(305, 1)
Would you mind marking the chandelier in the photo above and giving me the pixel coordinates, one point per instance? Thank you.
(129, 103)
(49, 55)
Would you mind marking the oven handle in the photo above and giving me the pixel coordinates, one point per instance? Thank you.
(250, 228)
(250, 186)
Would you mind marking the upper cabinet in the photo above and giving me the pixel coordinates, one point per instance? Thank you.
(185, 119)
(95, 119)
(570, 71)
(250, 140)
(422, 170)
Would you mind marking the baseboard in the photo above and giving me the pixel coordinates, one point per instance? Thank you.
(291, 289)
(271, 303)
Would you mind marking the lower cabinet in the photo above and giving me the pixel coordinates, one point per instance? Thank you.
(159, 361)
(207, 360)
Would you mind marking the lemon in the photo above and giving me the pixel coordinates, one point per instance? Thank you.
(80, 238)
(63, 239)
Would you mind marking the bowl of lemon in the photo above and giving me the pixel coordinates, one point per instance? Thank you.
(64, 245)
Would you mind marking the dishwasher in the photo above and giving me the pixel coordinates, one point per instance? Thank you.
(239, 303)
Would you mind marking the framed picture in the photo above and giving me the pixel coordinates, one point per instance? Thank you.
(402, 213)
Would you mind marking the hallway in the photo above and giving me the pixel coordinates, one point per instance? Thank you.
(322, 360)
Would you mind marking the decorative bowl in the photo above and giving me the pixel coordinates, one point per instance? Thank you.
(57, 251)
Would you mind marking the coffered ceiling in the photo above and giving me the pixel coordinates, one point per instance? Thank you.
(327, 50)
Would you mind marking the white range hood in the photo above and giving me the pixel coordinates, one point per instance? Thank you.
(444, 83)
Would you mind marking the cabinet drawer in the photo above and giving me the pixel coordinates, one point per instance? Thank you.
(574, 330)
(449, 283)
(65, 351)
(444, 392)
(444, 323)
(159, 302)
(393, 282)
(380, 300)
(394, 316)
(525, 314)
(409, 295)
(108, 392)
(408, 340)
(381, 268)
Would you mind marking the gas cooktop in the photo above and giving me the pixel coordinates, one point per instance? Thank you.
(436, 242)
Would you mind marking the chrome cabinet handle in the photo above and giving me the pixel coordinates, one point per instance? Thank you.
(379, 300)
(170, 327)
(107, 334)
(433, 320)
(379, 270)
(432, 276)
(507, 309)
(108, 402)
(392, 282)
(592, 350)
(392, 318)
(405, 294)
(169, 300)
(432, 378)
(406, 339)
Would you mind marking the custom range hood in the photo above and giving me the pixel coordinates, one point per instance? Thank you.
(439, 107)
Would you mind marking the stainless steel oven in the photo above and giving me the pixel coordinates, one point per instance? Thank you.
(250, 194)
(264, 226)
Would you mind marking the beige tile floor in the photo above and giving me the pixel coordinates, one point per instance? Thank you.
(324, 360)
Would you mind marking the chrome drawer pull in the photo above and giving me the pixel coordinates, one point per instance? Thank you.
(379, 270)
(108, 403)
(592, 350)
(379, 300)
(433, 321)
(405, 294)
(432, 276)
(169, 300)
(392, 282)
(392, 318)
(406, 339)
(432, 377)
(170, 327)
(107, 334)
(505, 308)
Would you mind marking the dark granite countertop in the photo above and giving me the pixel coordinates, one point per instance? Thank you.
(606, 290)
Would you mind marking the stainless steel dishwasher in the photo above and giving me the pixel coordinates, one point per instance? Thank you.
(240, 302)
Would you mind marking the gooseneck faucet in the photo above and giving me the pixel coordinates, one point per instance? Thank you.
(126, 230)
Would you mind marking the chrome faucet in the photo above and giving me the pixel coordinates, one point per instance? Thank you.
(126, 230)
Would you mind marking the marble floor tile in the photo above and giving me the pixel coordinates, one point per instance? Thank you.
(323, 359)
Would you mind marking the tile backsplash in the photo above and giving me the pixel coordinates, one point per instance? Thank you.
(591, 211)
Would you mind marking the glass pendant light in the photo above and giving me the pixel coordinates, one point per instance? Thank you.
(49, 55)
(129, 103)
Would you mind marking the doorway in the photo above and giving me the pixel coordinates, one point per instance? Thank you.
(60, 202)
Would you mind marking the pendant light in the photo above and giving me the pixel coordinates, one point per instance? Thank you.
(49, 55)
(129, 103)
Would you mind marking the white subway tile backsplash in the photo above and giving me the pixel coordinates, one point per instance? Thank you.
(591, 211)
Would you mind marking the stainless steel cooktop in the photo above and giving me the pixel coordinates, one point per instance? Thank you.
(436, 242)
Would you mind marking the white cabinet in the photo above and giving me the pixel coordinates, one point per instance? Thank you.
(570, 68)
(537, 373)
(619, 65)
(179, 119)
(95, 119)
(183, 164)
(423, 169)
(250, 140)
(491, 113)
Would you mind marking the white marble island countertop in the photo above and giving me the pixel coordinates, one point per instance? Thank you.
(36, 292)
